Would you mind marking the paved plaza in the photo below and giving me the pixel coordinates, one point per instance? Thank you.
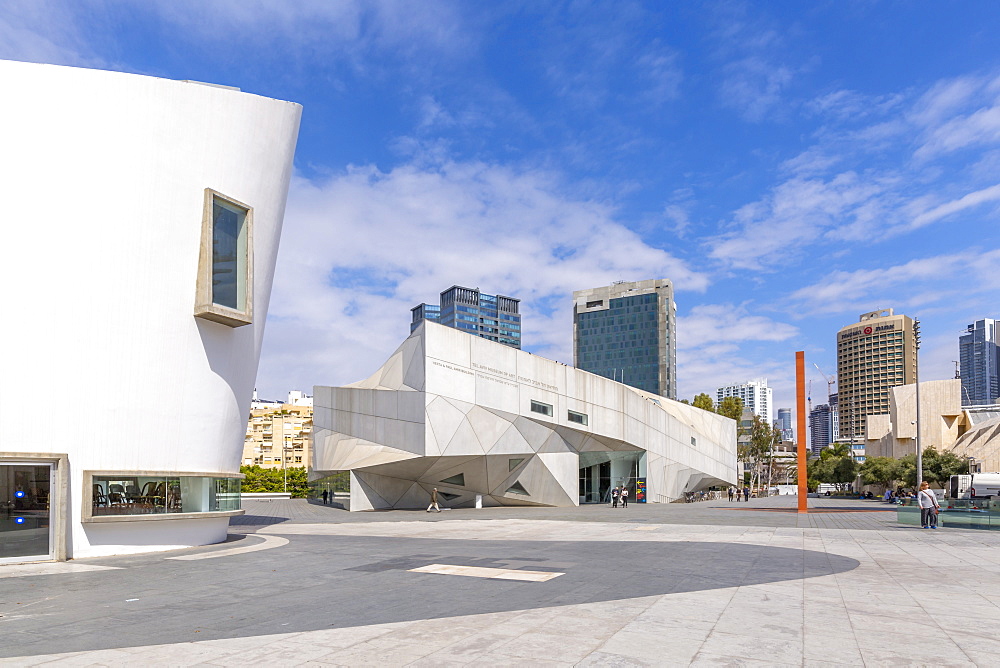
(709, 583)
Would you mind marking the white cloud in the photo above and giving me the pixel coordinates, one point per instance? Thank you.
(361, 248)
(852, 105)
(754, 86)
(922, 282)
(796, 213)
(976, 198)
(977, 128)
(897, 191)
(712, 324)
(42, 31)
(714, 343)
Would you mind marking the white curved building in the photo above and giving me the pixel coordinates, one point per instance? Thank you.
(486, 423)
(140, 222)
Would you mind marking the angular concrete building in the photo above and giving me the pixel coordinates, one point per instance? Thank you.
(486, 423)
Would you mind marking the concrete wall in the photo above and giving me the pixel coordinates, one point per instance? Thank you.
(477, 403)
(894, 434)
(104, 177)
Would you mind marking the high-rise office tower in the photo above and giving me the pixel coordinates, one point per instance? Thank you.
(756, 396)
(819, 428)
(874, 354)
(784, 423)
(626, 332)
(492, 317)
(979, 363)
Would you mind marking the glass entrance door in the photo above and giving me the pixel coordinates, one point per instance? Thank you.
(25, 516)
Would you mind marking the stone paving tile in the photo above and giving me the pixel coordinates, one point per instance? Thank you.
(705, 585)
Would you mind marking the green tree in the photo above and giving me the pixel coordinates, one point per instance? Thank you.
(260, 479)
(758, 451)
(835, 465)
(883, 471)
(704, 402)
(942, 465)
(845, 470)
(731, 407)
(938, 467)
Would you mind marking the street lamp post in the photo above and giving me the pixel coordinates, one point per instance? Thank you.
(284, 466)
(916, 376)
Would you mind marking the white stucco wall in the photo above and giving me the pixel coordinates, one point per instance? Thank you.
(103, 177)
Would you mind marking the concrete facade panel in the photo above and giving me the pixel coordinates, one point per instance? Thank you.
(466, 429)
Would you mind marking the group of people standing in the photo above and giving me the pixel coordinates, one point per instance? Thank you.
(737, 493)
(619, 494)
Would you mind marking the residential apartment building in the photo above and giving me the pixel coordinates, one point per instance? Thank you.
(979, 363)
(874, 355)
(834, 418)
(493, 317)
(279, 436)
(756, 396)
(626, 331)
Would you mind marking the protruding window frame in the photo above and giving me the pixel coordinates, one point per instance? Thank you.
(205, 307)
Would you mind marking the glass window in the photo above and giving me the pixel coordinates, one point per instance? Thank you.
(539, 407)
(579, 418)
(225, 267)
(122, 494)
(229, 255)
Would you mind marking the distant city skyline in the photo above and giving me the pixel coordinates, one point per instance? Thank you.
(781, 166)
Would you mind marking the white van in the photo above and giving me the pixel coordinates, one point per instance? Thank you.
(976, 486)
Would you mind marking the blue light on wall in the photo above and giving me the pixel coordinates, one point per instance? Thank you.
(18, 520)
(19, 494)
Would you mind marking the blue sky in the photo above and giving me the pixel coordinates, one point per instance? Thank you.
(789, 165)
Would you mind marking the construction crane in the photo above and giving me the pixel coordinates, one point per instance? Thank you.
(829, 381)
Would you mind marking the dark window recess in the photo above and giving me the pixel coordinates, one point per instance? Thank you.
(579, 418)
(517, 488)
(458, 480)
(514, 463)
(599, 302)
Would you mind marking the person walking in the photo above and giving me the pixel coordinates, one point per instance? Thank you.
(929, 507)
(624, 496)
(614, 497)
(434, 501)
(731, 493)
(326, 495)
(746, 494)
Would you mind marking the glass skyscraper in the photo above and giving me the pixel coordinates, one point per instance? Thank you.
(979, 363)
(626, 332)
(493, 317)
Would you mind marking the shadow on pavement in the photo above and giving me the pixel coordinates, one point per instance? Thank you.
(322, 582)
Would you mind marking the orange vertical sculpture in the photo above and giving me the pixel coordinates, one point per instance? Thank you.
(800, 414)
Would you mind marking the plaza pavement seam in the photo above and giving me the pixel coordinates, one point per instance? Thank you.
(712, 631)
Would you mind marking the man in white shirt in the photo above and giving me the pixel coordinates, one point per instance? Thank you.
(929, 507)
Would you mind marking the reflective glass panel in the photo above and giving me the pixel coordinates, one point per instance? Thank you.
(24, 510)
(229, 255)
(145, 495)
